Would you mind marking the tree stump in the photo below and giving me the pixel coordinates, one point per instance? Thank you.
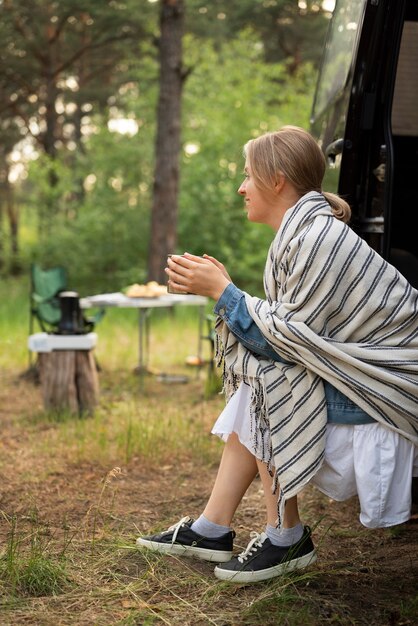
(69, 380)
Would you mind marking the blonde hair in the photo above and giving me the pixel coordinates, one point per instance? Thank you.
(294, 153)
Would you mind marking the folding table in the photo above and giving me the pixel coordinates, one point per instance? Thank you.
(145, 306)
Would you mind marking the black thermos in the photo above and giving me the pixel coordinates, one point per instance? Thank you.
(70, 322)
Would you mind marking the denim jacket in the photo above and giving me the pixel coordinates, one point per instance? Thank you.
(231, 307)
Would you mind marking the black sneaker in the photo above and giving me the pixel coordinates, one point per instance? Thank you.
(262, 560)
(180, 539)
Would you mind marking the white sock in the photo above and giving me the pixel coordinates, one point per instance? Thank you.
(205, 527)
(285, 536)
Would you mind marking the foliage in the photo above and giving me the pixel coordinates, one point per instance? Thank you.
(102, 238)
(60, 63)
(95, 217)
(246, 98)
(102, 241)
(291, 32)
(59, 59)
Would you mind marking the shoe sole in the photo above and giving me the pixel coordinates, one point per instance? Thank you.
(265, 574)
(178, 549)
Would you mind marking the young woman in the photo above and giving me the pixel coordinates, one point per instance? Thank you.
(321, 376)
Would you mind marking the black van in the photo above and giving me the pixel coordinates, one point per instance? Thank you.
(365, 116)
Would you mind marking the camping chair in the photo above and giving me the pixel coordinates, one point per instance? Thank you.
(45, 287)
(45, 307)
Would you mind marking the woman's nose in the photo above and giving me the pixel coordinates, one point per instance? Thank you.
(241, 189)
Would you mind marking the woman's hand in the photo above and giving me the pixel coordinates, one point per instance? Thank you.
(204, 276)
(218, 264)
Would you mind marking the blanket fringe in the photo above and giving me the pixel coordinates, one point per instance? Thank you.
(281, 504)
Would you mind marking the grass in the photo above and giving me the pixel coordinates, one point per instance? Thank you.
(27, 568)
(77, 491)
(14, 323)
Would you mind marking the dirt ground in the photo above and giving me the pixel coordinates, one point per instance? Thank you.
(370, 576)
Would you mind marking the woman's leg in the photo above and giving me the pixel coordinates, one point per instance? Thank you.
(237, 470)
(291, 512)
(275, 551)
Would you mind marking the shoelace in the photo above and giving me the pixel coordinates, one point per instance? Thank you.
(254, 544)
(176, 528)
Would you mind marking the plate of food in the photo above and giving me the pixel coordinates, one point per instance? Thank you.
(152, 289)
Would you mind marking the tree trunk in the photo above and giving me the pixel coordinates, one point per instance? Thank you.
(8, 208)
(48, 141)
(13, 215)
(167, 156)
(51, 95)
(2, 202)
(78, 194)
(69, 381)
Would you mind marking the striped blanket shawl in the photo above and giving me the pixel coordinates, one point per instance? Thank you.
(334, 310)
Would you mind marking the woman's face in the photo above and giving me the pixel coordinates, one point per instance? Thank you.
(259, 204)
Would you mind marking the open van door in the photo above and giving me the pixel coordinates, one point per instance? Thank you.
(365, 117)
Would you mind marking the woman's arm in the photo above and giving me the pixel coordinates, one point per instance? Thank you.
(206, 276)
(188, 273)
(232, 308)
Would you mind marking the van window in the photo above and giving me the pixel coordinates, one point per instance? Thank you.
(405, 109)
(338, 54)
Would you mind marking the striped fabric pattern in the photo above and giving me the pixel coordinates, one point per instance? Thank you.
(335, 310)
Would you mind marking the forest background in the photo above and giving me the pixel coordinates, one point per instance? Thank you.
(103, 169)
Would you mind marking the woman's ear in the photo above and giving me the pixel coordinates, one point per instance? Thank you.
(281, 181)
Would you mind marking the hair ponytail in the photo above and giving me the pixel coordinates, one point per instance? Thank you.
(340, 208)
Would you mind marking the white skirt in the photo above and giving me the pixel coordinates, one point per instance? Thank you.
(368, 460)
